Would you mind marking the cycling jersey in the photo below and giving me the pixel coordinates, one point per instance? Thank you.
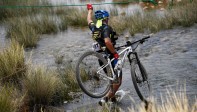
(99, 34)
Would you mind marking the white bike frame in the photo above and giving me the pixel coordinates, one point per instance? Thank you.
(125, 51)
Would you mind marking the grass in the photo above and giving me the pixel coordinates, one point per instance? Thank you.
(12, 63)
(172, 102)
(26, 30)
(180, 15)
(44, 88)
(15, 12)
(69, 78)
(10, 99)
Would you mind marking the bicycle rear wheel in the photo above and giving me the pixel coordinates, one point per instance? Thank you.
(90, 81)
(140, 80)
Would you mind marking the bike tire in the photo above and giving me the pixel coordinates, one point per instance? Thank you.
(137, 82)
(91, 84)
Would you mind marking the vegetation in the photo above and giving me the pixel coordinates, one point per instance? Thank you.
(180, 15)
(172, 102)
(12, 63)
(27, 29)
(44, 88)
(10, 100)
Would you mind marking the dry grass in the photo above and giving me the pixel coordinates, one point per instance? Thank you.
(12, 63)
(27, 30)
(43, 87)
(181, 15)
(10, 99)
(69, 78)
(173, 102)
(10, 12)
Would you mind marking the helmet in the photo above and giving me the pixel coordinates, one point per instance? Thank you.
(101, 14)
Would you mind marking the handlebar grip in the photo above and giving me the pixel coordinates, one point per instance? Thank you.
(146, 37)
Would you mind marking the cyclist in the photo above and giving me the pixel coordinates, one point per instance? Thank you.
(104, 35)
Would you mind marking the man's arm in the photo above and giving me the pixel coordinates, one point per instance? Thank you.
(109, 45)
(90, 10)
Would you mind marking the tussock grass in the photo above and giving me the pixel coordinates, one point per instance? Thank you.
(43, 87)
(10, 99)
(27, 30)
(77, 17)
(180, 15)
(23, 33)
(173, 102)
(69, 78)
(10, 12)
(12, 63)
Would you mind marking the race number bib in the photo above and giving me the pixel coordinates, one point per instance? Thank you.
(96, 46)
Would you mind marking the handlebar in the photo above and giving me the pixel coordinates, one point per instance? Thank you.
(129, 43)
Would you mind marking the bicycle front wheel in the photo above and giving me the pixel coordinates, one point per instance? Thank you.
(90, 75)
(140, 80)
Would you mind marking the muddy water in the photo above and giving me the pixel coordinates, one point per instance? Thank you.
(170, 58)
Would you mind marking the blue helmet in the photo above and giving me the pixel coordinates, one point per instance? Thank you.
(101, 14)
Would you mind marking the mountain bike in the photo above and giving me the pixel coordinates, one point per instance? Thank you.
(95, 74)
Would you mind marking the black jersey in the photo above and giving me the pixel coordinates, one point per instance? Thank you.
(99, 34)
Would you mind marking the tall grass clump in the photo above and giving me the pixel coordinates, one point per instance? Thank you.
(23, 33)
(12, 63)
(180, 15)
(173, 102)
(69, 78)
(77, 17)
(10, 99)
(44, 88)
(27, 30)
(11, 10)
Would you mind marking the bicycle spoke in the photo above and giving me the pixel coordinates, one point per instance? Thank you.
(90, 79)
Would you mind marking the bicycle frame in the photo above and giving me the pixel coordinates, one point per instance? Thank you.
(125, 53)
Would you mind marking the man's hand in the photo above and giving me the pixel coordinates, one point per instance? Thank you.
(89, 7)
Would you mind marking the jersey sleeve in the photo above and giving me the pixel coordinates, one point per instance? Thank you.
(92, 26)
(106, 32)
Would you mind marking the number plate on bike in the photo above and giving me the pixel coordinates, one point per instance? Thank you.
(96, 47)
